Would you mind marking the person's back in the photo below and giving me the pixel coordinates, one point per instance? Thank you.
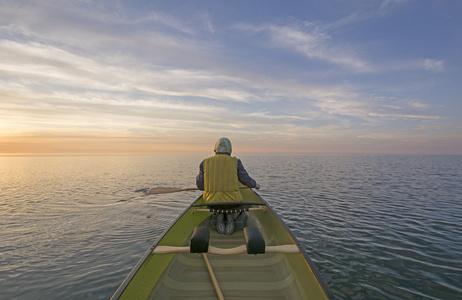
(219, 178)
(221, 182)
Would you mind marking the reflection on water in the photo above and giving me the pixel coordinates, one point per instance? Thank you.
(377, 226)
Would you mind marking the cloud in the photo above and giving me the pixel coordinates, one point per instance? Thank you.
(109, 36)
(419, 105)
(50, 65)
(310, 40)
(153, 74)
(398, 116)
(314, 41)
(433, 65)
(82, 83)
(388, 5)
(169, 21)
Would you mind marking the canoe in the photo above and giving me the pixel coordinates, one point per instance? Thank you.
(262, 259)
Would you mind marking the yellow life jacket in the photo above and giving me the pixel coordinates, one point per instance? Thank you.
(221, 183)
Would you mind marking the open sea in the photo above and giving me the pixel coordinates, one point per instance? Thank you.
(376, 226)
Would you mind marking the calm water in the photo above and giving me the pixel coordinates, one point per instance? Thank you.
(377, 226)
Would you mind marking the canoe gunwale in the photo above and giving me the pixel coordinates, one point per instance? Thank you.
(228, 203)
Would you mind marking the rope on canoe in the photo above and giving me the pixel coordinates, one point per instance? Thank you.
(228, 211)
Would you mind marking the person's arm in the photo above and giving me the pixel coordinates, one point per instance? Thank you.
(200, 177)
(244, 177)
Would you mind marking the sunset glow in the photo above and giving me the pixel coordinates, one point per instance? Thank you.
(142, 77)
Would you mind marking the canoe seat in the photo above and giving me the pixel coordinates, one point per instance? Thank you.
(200, 240)
(254, 240)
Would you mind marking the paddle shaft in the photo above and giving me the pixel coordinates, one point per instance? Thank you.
(213, 278)
(166, 190)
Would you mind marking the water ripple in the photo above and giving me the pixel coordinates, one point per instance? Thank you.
(377, 226)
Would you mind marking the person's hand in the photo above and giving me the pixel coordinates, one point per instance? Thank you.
(258, 186)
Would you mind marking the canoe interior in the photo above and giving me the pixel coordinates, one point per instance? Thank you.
(242, 276)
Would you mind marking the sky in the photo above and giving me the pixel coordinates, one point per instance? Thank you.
(318, 76)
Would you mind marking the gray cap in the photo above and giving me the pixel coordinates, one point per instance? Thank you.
(223, 145)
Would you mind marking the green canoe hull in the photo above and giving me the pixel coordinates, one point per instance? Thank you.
(239, 276)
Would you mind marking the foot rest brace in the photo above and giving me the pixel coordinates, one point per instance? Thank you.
(200, 240)
(254, 240)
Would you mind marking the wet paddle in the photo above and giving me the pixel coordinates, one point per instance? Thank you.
(167, 190)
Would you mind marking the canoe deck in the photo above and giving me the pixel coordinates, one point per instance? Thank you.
(242, 276)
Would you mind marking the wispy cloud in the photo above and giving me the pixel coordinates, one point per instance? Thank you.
(41, 66)
(311, 41)
(169, 21)
(314, 42)
(127, 73)
(388, 5)
(433, 65)
(398, 116)
(50, 65)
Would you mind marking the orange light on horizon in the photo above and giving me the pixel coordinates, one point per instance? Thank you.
(204, 145)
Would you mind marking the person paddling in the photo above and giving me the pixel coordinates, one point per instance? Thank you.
(219, 177)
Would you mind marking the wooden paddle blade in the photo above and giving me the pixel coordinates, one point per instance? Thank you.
(166, 190)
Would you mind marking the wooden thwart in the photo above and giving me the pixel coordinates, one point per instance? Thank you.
(227, 251)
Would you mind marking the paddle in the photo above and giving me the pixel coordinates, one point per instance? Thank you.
(166, 190)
